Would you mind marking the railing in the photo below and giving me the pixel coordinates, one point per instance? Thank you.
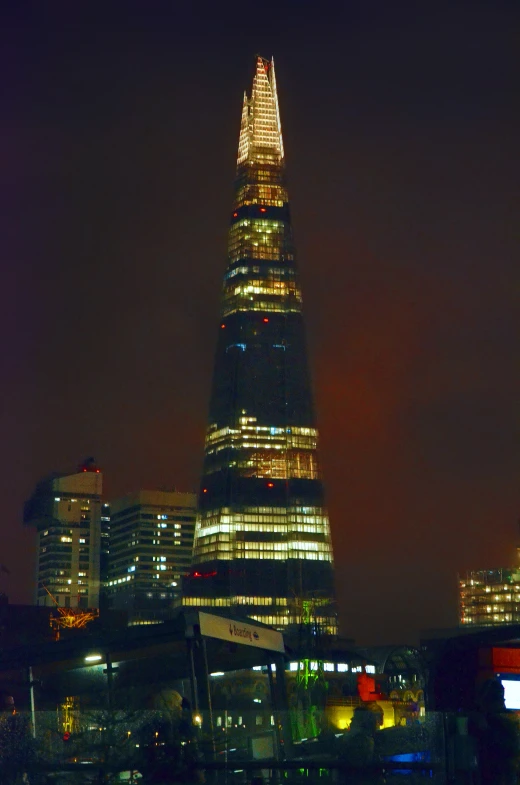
(160, 747)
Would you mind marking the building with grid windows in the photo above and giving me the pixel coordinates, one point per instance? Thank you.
(104, 555)
(151, 546)
(262, 541)
(488, 597)
(66, 511)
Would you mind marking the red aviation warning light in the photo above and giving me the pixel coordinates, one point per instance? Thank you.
(270, 484)
(66, 736)
(265, 319)
(89, 465)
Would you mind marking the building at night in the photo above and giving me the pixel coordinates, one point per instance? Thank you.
(151, 546)
(104, 555)
(66, 511)
(488, 597)
(262, 541)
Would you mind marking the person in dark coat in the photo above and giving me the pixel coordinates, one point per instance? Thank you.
(497, 734)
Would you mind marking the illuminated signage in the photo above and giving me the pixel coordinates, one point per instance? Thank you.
(240, 632)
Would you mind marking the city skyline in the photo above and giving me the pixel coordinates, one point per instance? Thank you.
(401, 133)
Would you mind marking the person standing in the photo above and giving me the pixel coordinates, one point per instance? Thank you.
(497, 735)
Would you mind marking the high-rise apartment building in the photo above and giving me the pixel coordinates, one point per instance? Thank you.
(66, 511)
(151, 545)
(262, 541)
(488, 597)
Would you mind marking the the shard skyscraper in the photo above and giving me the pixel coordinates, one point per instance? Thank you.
(262, 540)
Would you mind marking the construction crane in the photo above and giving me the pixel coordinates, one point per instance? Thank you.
(69, 618)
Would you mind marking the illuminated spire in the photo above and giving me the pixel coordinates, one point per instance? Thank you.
(261, 130)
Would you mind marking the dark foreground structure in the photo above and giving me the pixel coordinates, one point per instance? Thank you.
(207, 696)
(262, 539)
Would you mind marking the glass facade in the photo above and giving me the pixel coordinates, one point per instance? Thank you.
(488, 597)
(262, 520)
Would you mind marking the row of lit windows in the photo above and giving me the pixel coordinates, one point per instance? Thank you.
(72, 501)
(295, 436)
(230, 722)
(238, 600)
(210, 602)
(266, 174)
(272, 288)
(281, 520)
(289, 304)
(490, 609)
(273, 621)
(327, 625)
(501, 618)
(330, 667)
(296, 513)
(258, 225)
(270, 274)
(224, 529)
(485, 598)
(262, 305)
(291, 465)
(270, 545)
(223, 551)
(257, 193)
(479, 591)
(120, 580)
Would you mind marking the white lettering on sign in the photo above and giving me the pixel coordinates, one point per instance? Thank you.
(240, 632)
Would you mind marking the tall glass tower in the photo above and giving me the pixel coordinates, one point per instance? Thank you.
(262, 539)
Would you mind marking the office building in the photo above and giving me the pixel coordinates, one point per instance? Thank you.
(151, 545)
(66, 511)
(488, 597)
(104, 555)
(262, 541)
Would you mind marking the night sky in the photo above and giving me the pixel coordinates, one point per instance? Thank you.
(119, 133)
